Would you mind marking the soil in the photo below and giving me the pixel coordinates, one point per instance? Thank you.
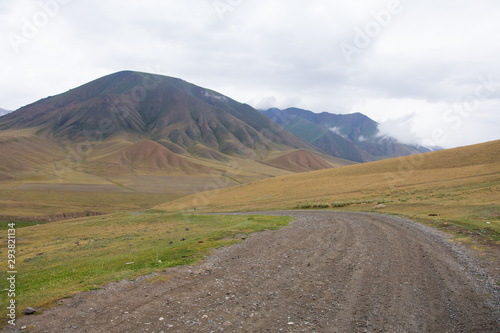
(325, 272)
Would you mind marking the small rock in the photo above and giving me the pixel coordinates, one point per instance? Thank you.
(187, 229)
(183, 239)
(488, 222)
(291, 323)
(171, 242)
(29, 311)
(379, 206)
(227, 323)
(161, 319)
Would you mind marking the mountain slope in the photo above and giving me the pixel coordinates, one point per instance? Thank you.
(150, 155)
(139, 105)
(302, 161)
(3, 112)
(135, 132)
(351, 136)
(461, 181)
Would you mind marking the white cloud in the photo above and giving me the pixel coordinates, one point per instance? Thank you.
(401, 128)
(338, 131)
(279, 53)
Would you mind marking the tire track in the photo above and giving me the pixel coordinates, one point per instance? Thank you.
(326, 272)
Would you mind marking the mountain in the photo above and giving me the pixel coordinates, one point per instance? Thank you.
(302, 160)
(138, 131)
(3, 112)
(173, 112)
(150, 155)
(349, 136)
(463, 182)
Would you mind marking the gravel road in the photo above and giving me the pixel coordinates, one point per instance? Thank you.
(325, 272)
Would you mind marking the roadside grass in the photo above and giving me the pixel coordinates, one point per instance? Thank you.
(459, 187)
(57, 259)
(440, 207)
(20, 223)
(39, 203)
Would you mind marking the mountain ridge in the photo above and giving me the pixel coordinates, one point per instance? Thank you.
(349, 136)
(148, 106)
(141, 131)
(3, 112)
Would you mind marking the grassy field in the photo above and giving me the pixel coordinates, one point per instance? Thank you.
(40, 203)
(39, 176)
(57, 259)
(457, 186)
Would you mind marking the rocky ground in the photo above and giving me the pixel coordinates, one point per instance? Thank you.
(325, 272)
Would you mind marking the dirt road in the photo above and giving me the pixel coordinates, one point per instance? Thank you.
(326, 272)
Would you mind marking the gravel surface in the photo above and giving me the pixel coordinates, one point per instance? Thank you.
(325, 272)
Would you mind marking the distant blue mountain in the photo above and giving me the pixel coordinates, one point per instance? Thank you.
(353, 136)
(4, 112)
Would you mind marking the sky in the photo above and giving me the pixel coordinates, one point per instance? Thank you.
(427, 71)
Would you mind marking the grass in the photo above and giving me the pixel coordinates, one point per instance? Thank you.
(458, 186)
(57, 259)
(40, 203)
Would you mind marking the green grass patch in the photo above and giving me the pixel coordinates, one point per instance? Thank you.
(20, 222)
(57, 259)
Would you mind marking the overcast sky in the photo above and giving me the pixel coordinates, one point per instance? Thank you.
(428, 71)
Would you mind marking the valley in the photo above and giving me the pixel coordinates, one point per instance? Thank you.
(113, 184)
(326, 271)
(458, 186)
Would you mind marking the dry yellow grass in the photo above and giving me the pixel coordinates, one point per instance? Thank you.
(40, 177)
(461, 183)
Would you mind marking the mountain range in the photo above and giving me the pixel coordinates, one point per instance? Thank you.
(350, 136)
(147, 132)
(3, 112)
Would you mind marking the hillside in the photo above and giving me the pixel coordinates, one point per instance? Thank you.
(349, 136)
(150, 155)
(455, 183)
(304, 161)
(3, 112)
(132, 104)
(128, 134)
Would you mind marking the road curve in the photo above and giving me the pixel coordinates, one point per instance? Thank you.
(325, 272)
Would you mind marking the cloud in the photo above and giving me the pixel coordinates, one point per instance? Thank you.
(338, 131)
(401, 128)
(280, 53)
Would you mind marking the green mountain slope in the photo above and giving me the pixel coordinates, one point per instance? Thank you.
(139, 105)
(350, 136)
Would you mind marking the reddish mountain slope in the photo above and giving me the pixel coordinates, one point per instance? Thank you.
(150, 155)
(298, 161)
